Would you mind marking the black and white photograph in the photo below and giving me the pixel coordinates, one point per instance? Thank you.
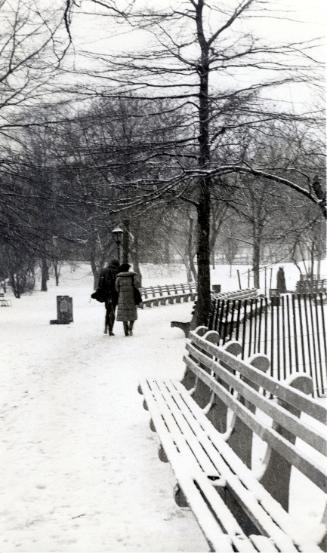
(163, 276)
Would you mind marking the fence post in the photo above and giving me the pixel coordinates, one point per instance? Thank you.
(239, 279)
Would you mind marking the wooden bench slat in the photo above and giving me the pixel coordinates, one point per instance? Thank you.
(174, 428)
(274, 386)
(250, 503)
(187, 473)
(213, 468)
(266, 512)
(309, 467)
(241, 480)
(302, 429)
(225, 457)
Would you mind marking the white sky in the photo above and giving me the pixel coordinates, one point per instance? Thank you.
(98, 34)
(310, 16)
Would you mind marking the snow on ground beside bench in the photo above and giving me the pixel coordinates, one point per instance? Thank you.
(80, 470)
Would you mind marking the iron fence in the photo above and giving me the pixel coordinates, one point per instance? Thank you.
(290, 330)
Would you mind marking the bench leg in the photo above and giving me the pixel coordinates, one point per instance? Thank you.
(242, 437)
(180, 497)
(217, 414)
(276, 478)
(323, 543)
(202, 395)
(162, 454)
(188, 379)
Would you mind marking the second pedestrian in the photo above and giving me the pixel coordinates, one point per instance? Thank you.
(126, 282)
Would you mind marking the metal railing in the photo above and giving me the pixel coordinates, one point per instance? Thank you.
(291, 331)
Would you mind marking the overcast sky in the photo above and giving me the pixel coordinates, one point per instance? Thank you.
(100, 35)
(310, 16)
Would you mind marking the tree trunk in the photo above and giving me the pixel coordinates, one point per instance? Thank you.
(191, 270)
(203, 254)
(126, 241)
(167, 252)
(256, 262)
(95, 271)
(57, 272)
(14, 285)
(44, 275)
(203, 207)
(135, 251)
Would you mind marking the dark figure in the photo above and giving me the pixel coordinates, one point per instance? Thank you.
(107, 285)
(126, 312)
(281, 283)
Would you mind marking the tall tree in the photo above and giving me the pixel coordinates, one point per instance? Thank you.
(197, 45)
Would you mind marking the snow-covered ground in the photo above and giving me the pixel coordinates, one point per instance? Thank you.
(228, 278)
(79, 466)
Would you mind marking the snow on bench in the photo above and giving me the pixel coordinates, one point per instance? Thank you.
(167, 293)
(246, 294)
(206, 425)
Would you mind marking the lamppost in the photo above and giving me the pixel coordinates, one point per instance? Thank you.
(117, 233)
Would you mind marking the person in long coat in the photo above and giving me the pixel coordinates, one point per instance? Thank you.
(126, 311)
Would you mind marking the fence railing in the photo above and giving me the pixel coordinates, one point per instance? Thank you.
(290, 331)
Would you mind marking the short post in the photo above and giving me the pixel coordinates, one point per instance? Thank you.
(64, 310)
(216, 288)
(239, 279)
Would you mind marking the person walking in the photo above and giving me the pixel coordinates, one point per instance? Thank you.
(126, 281)
(107, 286)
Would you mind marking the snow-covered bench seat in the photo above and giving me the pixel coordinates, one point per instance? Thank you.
(206, 425)
(167, 293)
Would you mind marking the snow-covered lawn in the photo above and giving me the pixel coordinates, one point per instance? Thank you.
(79, 465)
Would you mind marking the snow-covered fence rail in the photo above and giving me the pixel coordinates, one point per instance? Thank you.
(244, 294)
(292, 332)
(211, 451)
(167, 293)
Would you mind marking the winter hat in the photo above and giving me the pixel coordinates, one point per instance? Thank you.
(114, 264)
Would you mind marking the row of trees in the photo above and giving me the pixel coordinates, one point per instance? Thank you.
(167, 140)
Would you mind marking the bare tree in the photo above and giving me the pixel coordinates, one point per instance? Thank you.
(195, 45)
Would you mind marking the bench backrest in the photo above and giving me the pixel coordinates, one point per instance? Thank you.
(221, 378)
(167, 289)
(237, 294)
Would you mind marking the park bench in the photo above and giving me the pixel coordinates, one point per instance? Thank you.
(4, 302)
(167, 293)
(206, 426)
(311, 286)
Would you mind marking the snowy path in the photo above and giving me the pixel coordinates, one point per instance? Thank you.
(79, 464)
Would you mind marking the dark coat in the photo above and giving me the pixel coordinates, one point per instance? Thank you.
(107, 280)
(126, 305)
